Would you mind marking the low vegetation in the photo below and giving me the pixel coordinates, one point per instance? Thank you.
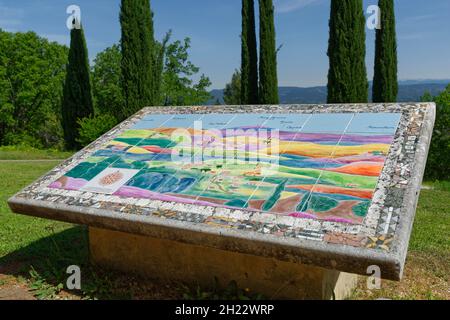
(438, 166)
(19, 153)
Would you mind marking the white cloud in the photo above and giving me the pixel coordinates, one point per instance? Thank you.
(417, 21)
(284, 6)
(64, 39)
(10, 18)
(60, 38)
(420, 18)
(413, 36)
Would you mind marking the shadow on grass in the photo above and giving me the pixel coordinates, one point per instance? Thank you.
(43, 265)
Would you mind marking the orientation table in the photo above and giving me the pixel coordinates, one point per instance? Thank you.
(288, 200)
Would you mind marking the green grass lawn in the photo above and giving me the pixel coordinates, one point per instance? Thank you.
(16, 231)
(36, 252)
(428, 263)
(28, 153)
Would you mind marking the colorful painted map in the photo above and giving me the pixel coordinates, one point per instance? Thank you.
(318, 166)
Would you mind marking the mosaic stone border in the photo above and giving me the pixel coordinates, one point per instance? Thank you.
(382, 238)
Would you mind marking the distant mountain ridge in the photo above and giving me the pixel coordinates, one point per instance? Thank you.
(409, 91)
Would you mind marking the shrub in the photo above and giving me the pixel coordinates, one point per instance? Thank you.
(438, 165)
(94, 127)
(32, 71)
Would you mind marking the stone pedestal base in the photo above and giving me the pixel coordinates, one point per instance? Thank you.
(165, 259)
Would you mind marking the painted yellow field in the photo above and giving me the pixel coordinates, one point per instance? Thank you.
(319, 151)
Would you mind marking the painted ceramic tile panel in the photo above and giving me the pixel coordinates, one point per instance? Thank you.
(322, 166)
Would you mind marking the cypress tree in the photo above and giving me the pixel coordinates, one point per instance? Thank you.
(249, 59)
(159, 52)
(137, 65)
(268, 85)
(347, 76)
(385, 85)
(77, 95)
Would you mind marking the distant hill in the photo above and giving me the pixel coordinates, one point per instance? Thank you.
(409, 91)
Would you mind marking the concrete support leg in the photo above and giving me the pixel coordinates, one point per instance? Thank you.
(165, 259)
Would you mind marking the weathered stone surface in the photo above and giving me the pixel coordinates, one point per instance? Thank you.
(199, 265)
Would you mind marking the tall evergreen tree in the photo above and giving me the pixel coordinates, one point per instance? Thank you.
(138, 58)
(159, 54)
(385, 84)
(77, 95)
(268, 85)
(347, 76)
(249, 59)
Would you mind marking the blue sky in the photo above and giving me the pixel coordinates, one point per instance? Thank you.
(423, 29)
